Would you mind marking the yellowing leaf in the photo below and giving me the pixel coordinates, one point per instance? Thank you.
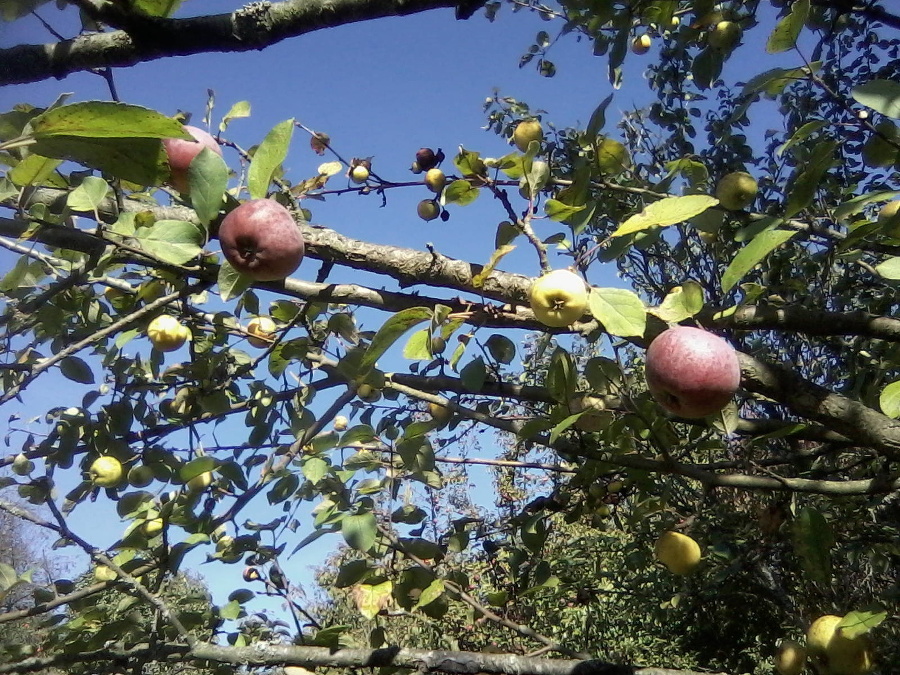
(330, 168)
(496, 257)
(681, 303)
(668, 211)
(372, 599)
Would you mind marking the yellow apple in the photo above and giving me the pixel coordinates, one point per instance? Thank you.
(200, 482)
(106, 472)
(641, 44)
(790, 659)
(678, 552)
(359, 174)
(525, 132)
(440, 414)
(340, 423)
(736, 191)
(834, 654)
(262, 331)
(167, 333)
(435, 180)
(558, 298)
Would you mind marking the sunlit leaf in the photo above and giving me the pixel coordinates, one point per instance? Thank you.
(881, 95)
(621, 311)
(668, 211)
(268, 157)
(752, 254)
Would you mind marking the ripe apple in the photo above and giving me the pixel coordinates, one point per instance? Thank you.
(428, 209)
(167, 333)
(261, 240)
(341, 423)
(558, 298)
(736, 191)
(641, 44)
(678, 552)
(691, 372)
(106, 472)
(181, 153)
(359, 174)
(834, 654)
(261, 331)
(440, 415)
(725, 35)
(153, 527)
(426, 159)
(525, 132)
(790, 659)
(435, 180)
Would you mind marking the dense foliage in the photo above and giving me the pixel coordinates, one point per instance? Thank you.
(790, 490)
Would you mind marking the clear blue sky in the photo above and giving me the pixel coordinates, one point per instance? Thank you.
(380, 89)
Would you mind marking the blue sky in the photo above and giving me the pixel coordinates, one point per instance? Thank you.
(381, 89)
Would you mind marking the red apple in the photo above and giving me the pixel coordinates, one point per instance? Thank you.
(691, 372)
(261, 240)
(181, 153)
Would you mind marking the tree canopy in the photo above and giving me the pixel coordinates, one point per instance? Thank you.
(515, 476)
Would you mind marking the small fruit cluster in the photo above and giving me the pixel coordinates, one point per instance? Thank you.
(427, 160)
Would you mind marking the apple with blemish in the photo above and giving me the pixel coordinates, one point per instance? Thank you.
(261, 240)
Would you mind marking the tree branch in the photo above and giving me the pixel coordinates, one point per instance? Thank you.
(253, 27)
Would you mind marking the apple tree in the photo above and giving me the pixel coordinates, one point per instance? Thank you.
(722, 500)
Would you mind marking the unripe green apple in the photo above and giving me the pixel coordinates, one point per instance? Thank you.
(167, 333)
(559, 298)
(888, 220)
(440, 414)
(790, 659)
(737, 190)
(341, 423)
(725, 35)
(525, 132)
(428, 209)
(140, 475)
(261, 331)
(200, 482)
(106, 472)
(359, 174)
(368, 393)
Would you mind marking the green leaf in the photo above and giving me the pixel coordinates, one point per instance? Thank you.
(498, 255)
(208, 180)
(138, 160)
(474, 374)
(787, 31)
(806, 181)
(880, 95)
(621, 311)
(315, 469)
(89, 195)
(773, 82)
(598, 117)
(501, 348)
(889, 401)
(174, 241)
(460, 192)
(360, 531)
(860, 622)
(418, 347)
(76, 370)
(231, 282)
(432, 592)
(106, 119)
(560, 212)
(749, 256)
(668, 211)
(238, 110)
(231, 611)
(813, 541)
(33, 170)
(268, 157)
(802, 134)
(681, 303)
(163, 8)
(195, 467)
(351, 573)
(390, 332)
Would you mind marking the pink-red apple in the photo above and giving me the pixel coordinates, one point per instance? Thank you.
(261, 240)
(181, 153)
(691, 372)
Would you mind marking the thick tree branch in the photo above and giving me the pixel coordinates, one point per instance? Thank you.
(253, 27)
(421, 660)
